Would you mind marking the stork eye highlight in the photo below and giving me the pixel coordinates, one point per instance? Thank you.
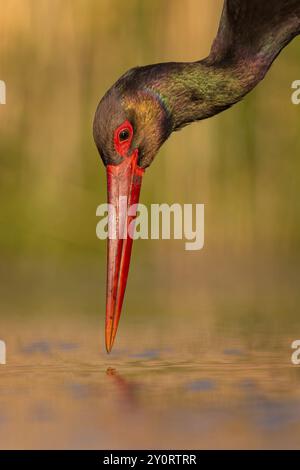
(124, 134)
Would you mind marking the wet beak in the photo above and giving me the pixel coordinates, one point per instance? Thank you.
(123, 188)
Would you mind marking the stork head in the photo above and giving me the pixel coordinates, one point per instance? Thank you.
(131, 116)
(130, 125)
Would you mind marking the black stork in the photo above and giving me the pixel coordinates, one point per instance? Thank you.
(141, 110)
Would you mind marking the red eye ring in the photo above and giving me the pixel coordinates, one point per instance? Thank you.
(123, 137)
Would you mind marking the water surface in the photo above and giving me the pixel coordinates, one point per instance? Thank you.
(160, 388)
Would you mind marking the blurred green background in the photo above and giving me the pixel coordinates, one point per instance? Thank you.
(57, 59)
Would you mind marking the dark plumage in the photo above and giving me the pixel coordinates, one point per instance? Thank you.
(148, 103)
(162, 98)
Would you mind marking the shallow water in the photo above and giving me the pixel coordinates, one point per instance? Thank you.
(160, 388)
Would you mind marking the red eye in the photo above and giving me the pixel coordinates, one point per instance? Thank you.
(124, 135)
(123, 138)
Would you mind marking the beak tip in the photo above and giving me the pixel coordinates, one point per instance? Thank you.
(109, 341)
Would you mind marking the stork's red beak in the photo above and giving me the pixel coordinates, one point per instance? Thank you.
(123, 188)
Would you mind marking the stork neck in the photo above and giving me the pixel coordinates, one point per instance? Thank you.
(200, 91)
(205, 88)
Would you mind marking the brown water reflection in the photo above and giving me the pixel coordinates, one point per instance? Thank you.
(59, 391)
